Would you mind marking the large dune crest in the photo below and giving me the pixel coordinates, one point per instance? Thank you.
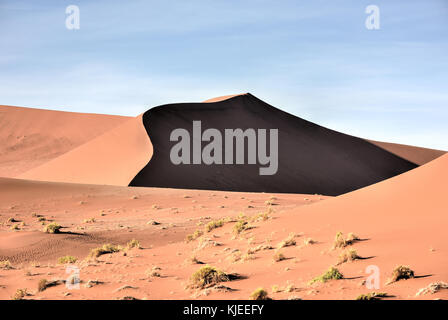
(311, 159)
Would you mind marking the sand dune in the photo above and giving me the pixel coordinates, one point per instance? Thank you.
(400, 221)
(312, 159)
(222, 98)
(112, 158)
(417, 155)
(30, 137)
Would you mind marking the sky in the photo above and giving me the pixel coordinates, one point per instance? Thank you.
(315, 59)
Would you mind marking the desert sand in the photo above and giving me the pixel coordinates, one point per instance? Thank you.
(311, 159)
(399, 220)
(30, 137)
(113, 158)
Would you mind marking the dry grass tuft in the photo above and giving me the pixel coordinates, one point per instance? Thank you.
(241, 226)
(208, 276)
(372, 296)
(6, 265)
(194, 235)
(154, 272)
(20, 294)
(278, 256)
(432, 288)
(133, 244)
(90, 220)
(400, 273)
(309, 241)
(67, 259)
(331, 274)
(290, 241)
(348, 256)
(15, 227)
(105, 249)
(52, 228)
(259, 294)
(340, 242)
(214, 224)
(44, 284)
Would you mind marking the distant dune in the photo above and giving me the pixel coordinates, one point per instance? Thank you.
(312, 159)
(30, 137)
(112, 158)
(417, 155)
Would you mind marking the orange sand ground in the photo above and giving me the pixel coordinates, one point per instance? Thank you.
(401, 221)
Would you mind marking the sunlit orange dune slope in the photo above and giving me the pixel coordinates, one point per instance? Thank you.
(30, 137)
(112, 158)
(402, 221)
(221, 98)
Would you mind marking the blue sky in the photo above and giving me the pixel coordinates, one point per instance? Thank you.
(314, 59)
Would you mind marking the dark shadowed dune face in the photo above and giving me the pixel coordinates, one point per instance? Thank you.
(311, 159)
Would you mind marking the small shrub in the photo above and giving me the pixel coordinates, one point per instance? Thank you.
(133, 244)
(351, 237)
(432, 288)
(15, 227)
(208, 276)
(42, 285)
(340, 242)
(331, 274)
(90, 220)
(5, 265)
(20, 294)
(348, 255)
(52, 228)
(67, 259)
(260, 247)
(309, 241)
(154, 272)
(214, 224)
(194, 235)
(278, 256)
(401, 272)
(290, 241)
(11, 220)
(194, 260)
(262, 216)
(372, 296)
(105, 249)
(241, 226)
(259, 294)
